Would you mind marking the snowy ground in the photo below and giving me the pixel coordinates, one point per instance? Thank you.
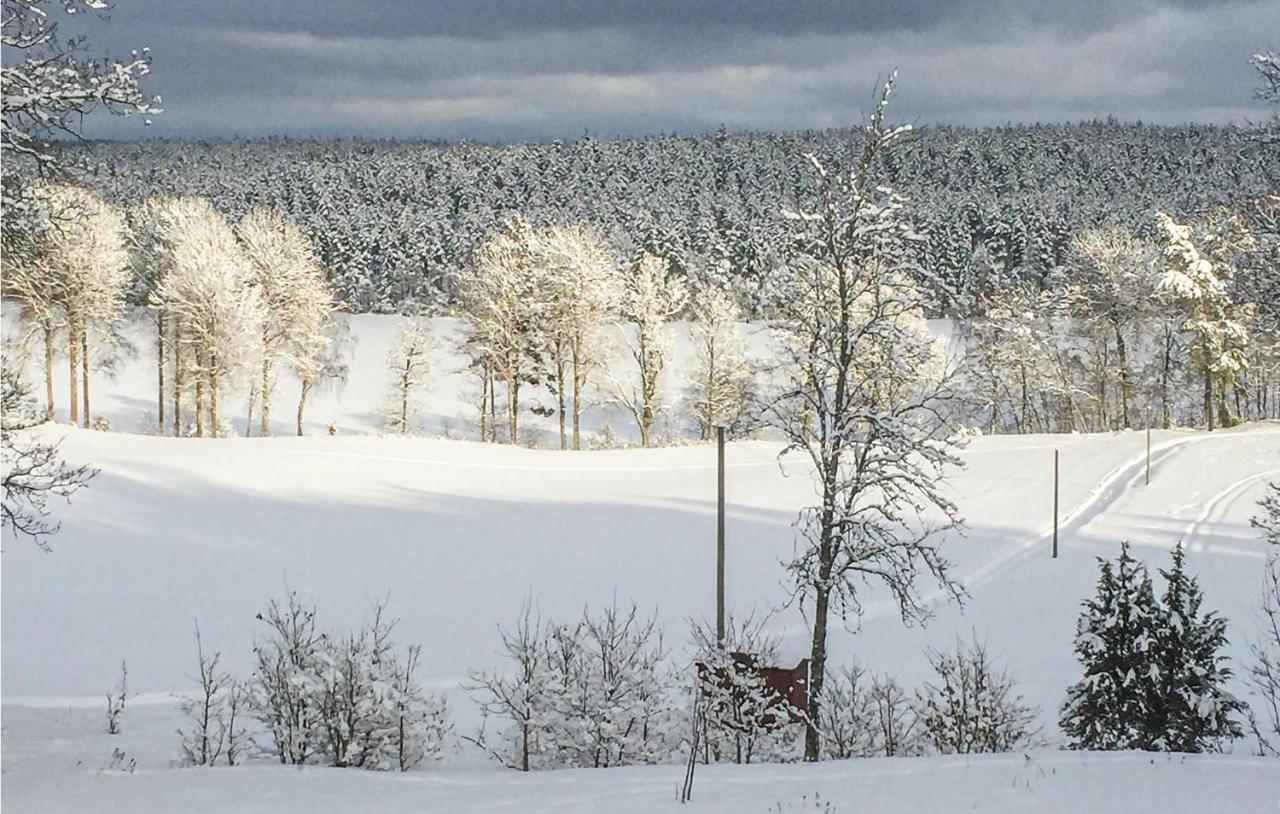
(458, 534)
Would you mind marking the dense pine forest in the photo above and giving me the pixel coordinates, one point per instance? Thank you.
(396, 221)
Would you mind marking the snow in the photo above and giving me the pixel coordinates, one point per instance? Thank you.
(458, 534)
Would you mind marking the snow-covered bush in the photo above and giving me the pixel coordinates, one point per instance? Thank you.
(740, 718)
(116, 700)
(344, 699)
(971, 705)
(592, 693)
(215, 728)
(866, 715)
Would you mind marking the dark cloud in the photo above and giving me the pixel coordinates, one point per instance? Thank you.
(540, 69)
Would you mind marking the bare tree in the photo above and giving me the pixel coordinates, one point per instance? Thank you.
(651, 297)
(722, 381)
(33, 470)
(866, 383)
(409, 365)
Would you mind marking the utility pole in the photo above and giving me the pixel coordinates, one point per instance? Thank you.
(720, 536)
(1055, 504)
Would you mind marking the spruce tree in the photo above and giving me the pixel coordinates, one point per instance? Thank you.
(1195, 710)
(1111, 707)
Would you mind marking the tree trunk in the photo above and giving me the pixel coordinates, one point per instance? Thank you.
(1126, 388)
(199, 402)
(1208, 398)
(513, 402)
(47, 325)
(1166, 413)
(177, 381)
(818, 648)
(248, 414)
(564, 439)
(578, 381)
(493, 406)
(266, 397)
(404, 401)
(160, 371)
(302, 402)
(484, 406)
(213, 406)
(84, 371)
(73, 365)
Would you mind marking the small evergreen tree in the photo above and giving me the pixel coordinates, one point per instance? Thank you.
(1116, 642)
(1195, 710)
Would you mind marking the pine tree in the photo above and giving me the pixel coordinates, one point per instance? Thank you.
(1111, 707)
(1195, 713)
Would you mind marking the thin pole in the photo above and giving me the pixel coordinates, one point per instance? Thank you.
(720, 536)
(1055, 504)
(1148, 480)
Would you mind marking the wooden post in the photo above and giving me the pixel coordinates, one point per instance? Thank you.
(720, 536)
(1055, 504)
(1148, 478)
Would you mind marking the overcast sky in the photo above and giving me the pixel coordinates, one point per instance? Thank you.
(536, 69)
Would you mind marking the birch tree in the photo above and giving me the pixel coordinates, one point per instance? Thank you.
(82, 261)
(498, 294)
(1112, 294)
(866, 384)
(721, 383)
(208, 290)
(577, 284)
(651, 297)
(409, 365)
(297, 300)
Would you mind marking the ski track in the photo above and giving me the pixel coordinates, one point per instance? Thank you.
(1107, 491)
(1223, 499)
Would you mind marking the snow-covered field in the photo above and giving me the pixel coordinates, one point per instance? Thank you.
(457, 535)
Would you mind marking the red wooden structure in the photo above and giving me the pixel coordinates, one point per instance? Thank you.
(788, 689)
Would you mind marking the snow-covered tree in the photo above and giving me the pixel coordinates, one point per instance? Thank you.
(75, 276)
(1263, 675)
(208, 292)
(578, 283)
(297, 300)
(409, 367)
(1111, 293)
(49, 85)
(1268, 519)
(1219, 340)
(1117, 643)
(865, 381)
(320, 363)
(722, 381)
(498, 295)
(1197, 708)
(971, 705)
(33, 470)
(650, 298)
